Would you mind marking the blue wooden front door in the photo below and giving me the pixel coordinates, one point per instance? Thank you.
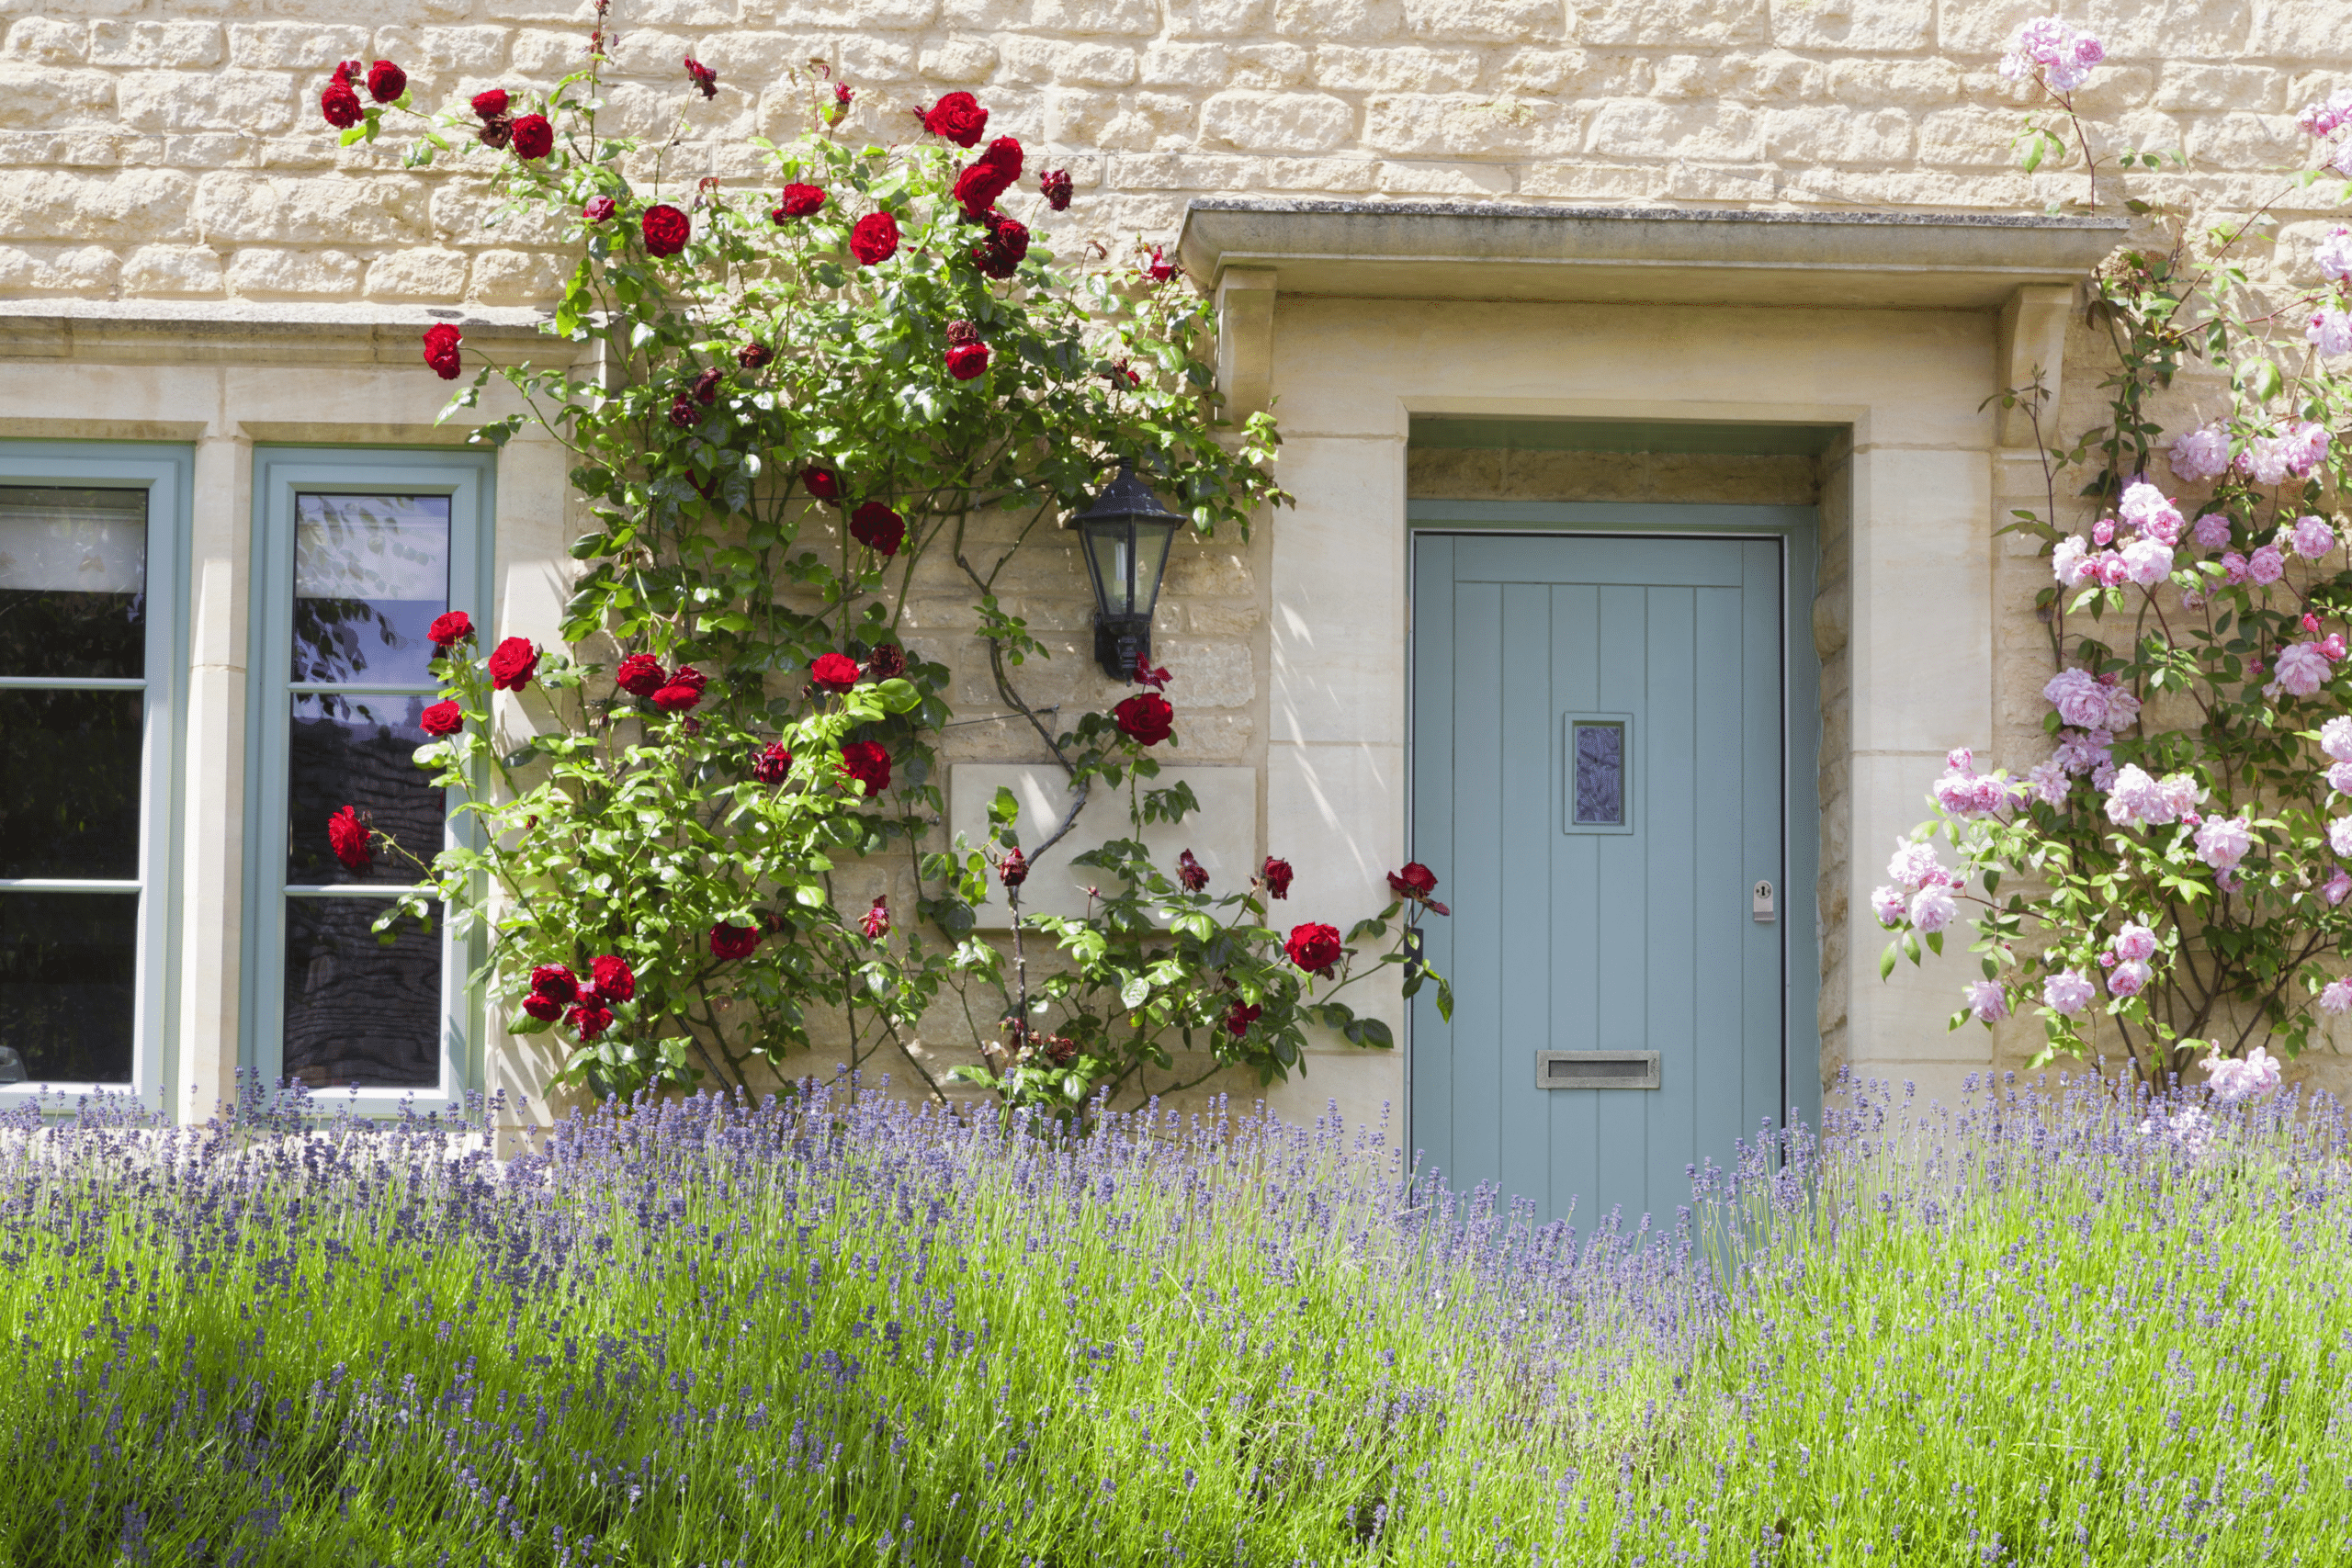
(1598, 771)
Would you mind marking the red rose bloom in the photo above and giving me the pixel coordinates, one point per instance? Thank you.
(754, 355)
(703, 77)
(887, 663)
(441, 341)
(822, 483)
(1314, 948)
(1191, 872)
(599, 209)
(798, 201)
(1145, 718)
(1161, 268)
(615, 981)
(957, 117)
(340, 105)
(1013, 870)
(731, 942)
(545, 1009)
(774, 765)
(534, 137)
(868, 763)
(491, 104)
(999, 255)
(965, 360)
(682, 692)
(1054, 185)
(1239, 1017)
(386, 81)
(448, 630)
(667, 229)
(875, 239)
(875, 922)
(878, 528)
(348, 836)
(512, 664)
(833, 671)
(843, 93)
(640, 675)
(979, 186)
(555, 982)
(591, 1020)
(685, 413)
(442, 719)
(1416, 881)
(706, 386)
(1277, 874)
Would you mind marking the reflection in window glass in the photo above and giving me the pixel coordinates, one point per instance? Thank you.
(1601, 774)
(69, 782)
(68, 986)
(73, 583)
(358, 1011)
(358, 752)
(370, 574)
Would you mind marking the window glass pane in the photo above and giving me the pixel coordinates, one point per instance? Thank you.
(370, 574)
(1601, 774)
(67, 992)
(358, 1011)
(69, 783)
(73, 581)
(357, 752)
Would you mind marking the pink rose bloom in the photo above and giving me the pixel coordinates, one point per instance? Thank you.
(2122, 708)
(2068, 992)
(2306, 448)
(1889, 905)
(2049, 783)
(2331, 331)
(1932, 909)
(2147, 561)
(2129, 979)
(2336, 886)
(2334, 254)
(2338, 997)
(2135, 800)
(2336, 739)
(2103, 531)
(1989, 1001)
(2222, 841)
(2339, 777)
(2312, 537)
(2069, 562)
(1915, 867)
(2080, 700)
(2133, 944)
(2146, 508)
(2234, 565)
(2339, 835)
(2267, 564)
(2341, 162)
(2113, 570)
(2212, 531)
(2258, 1073)
(2201, 454)
(2302, 669)
(2264, 458)
(2081, 752)
(2324, 117)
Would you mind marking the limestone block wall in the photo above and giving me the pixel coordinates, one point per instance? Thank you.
(172, 149)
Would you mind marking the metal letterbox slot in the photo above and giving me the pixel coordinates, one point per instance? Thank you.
(1596, 1069)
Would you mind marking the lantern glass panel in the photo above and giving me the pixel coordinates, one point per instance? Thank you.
(1151, 561)
(1111, 559)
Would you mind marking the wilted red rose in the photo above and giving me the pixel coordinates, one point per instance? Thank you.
(702, 76)
(442, 719)
(495, 132)
(534, 137)
(868, 763)
(773, 766)
(754, 355)
(999, 255)
(875, 922)
(441, 341)
(599, 209)
(545, 1009)
(1160, 268)
(348, 835)
(1146, 719)
(667, 229)
(491, 104)
(822, 483)
(706, 386)
(340, 105)
(957, 117)
(555, 981)
(798, 201)
(640, 675)
(1013, 870)
(843, 93)
(731, 942)
(887, 663)
(512, 663)
(878, 528)
(591, 1019)
(685, 413)
(1239, 1017)
(1145, 675)
(1277, 874)
(616, 982)
(386, 81)
(1053, 184)
(965, 360)
(1313, 947)
(874, 239)
(833, 671)
(448, 630)
(1191, 872)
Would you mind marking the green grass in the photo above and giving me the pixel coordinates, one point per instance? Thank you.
(865, 1337)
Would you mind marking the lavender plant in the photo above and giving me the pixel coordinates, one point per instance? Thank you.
(2176, 869)
(826, 1332)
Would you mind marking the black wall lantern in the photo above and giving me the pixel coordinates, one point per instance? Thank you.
(1126, 533)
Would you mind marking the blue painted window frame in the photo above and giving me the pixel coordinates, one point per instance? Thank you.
(470, 480)
(167, 474)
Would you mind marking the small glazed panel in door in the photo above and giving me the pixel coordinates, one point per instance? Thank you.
(1597, 774)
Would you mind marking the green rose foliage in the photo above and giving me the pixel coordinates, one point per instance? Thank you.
(2172, 884)
(777, 407)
